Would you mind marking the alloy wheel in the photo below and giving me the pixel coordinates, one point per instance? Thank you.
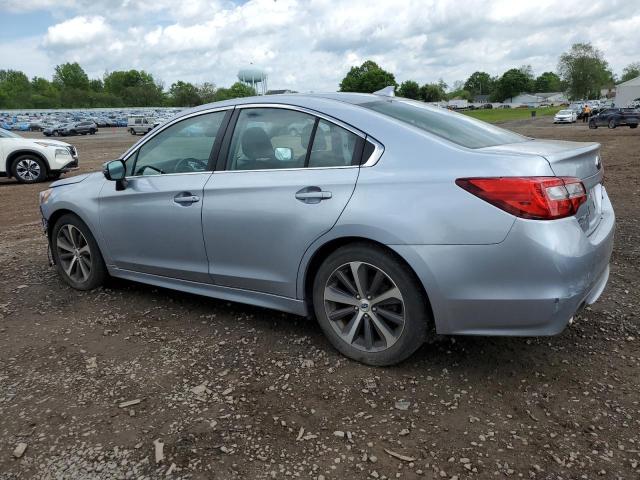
(74, 253)
(28, 170)
(364, 306)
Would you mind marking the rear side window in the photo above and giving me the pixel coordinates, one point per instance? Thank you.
(455, 127)
(333, 146)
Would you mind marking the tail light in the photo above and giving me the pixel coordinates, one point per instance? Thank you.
(538, 198)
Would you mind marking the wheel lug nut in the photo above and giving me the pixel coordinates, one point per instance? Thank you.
(356, 308)
(368, 297)
(374, 309)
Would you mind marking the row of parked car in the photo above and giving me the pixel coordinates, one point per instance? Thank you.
(611, 117)
(71, 122)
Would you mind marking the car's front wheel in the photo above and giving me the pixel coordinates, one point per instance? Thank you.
(612, 123)
(76, 254)
(370, 305)
(29, 169)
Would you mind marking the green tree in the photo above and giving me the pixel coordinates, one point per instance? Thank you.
(479, 83)
(409, 89)
(135, 88)
(630, 71)
(512, 82)
(584, 70)
(237, 90)
(367, 78)
(461, 93)
(15, 89)
(432, 92)
(96, 85)
(548, 82)
(71, 76)
(207, 92)
(44, 94)
(184, 94)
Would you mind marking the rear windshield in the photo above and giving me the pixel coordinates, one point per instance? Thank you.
(455, 127)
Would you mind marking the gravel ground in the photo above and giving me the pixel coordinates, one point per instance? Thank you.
(132, 381)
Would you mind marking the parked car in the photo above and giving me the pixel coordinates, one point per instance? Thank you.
(140, 124)
(30, 161)
(565, 116)
(615, 117)
(389, 219)
(75, 128)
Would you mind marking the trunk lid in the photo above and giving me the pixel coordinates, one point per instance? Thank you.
(569, 159)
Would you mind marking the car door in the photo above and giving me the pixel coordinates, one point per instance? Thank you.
(276, 189)
(154, 225)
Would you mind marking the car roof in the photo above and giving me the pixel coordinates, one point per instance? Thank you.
(295, 99)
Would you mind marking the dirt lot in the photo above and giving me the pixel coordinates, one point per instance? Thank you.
(272, 399)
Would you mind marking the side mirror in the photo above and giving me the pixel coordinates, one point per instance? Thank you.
(284, 154)
(116, 171)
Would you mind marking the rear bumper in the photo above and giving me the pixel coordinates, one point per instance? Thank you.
(530, 284)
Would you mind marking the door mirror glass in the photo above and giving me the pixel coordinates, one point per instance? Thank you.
(284, 154)
(114, 170)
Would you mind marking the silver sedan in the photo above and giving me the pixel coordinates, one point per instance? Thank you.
(387, 219)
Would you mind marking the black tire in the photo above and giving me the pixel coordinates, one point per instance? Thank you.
(612, 124)
(417, 319)
(92, 131)
(133, 132)
(592, 125)
(29, 169)
(56, 133)
(54, 175)
(633, 125)
(98, 271)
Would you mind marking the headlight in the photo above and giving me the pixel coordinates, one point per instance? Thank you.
(44, 195)
(62, 152)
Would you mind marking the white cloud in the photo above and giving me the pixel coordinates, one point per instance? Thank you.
(310, 45)
(77, 31)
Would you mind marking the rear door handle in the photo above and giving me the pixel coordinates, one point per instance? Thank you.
(312, 195)
(186, 198)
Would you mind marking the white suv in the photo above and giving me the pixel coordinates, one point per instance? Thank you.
(31, 161)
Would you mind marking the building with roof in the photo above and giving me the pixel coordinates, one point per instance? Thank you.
(627, 92)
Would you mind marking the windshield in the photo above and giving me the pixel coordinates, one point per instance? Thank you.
(565, 112)
(7, 134)
(455, 127)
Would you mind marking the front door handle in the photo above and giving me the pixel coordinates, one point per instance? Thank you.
(186, 198)
(312, 195)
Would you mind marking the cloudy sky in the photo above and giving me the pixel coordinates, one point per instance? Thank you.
(310, 45)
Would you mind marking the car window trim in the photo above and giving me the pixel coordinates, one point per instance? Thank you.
(222, 163)
(312, 138)
(134, 150)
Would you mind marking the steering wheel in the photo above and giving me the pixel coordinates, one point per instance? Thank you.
(191, 165)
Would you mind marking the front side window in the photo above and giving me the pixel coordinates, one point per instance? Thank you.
(270, 138)
(183, 147)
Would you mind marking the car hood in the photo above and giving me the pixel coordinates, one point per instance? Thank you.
(56, 143)
(72, 180)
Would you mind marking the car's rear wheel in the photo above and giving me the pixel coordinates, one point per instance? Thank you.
(76, 254)
(370, 305)
(92, 131)
(29, 169)
(56, 133)
(612, 123)
(592, 125)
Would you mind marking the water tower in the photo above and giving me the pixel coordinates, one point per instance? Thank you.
(254, 77)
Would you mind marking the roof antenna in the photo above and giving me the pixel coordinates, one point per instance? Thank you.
(389, 91)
